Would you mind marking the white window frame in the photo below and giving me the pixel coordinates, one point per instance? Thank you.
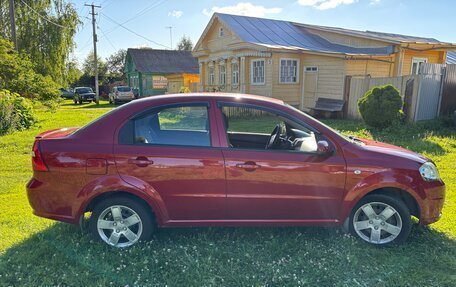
(297, 70)
(222, 75)
(418, 61)
(252, 72)
(311, 69)
(235, 74)
(210, 75)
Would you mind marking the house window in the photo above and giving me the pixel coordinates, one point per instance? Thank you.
(416, 63)
(311, 69)
(289, 71)
(235, 73)
(222, 75)
(211, 76)
(221, 32)
(257, 72)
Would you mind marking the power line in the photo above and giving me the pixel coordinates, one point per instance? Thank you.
(42, 17)
(139, 13)
(131, 31)
(107, 39)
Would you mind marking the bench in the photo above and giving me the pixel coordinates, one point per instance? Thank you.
(329, 105)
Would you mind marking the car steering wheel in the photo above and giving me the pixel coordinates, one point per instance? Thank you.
(274, 140)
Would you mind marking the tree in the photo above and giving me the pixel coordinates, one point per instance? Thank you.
(73, 72)
(185, 44)
(116, 64)
(88, 69)
(17, 75)
(45, 31)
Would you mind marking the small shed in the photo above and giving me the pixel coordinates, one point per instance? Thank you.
(149, 71)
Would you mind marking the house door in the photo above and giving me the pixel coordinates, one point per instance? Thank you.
(310, 87)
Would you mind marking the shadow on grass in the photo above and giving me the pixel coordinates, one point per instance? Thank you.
(62, 255)
(102, 105)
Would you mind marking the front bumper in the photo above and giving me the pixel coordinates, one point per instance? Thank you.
(431, 207)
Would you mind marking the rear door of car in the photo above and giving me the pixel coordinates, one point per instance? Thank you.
(170, 148)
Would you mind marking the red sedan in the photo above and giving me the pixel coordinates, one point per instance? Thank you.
(227, 160)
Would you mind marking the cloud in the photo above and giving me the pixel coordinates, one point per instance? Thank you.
(176, 13)
(244, 9)
(326, 4)
(374, 2)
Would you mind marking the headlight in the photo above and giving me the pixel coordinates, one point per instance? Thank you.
(429, 172)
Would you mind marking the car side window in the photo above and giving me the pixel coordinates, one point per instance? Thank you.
(183, 125)
(254, 128)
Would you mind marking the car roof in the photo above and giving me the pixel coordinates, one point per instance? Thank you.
(209, 96)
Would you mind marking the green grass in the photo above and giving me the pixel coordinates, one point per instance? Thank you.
(41, 252)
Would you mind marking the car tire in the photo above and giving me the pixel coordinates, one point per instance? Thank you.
(80, 102)
(381, 220)
(119, 232)
(110, 101)
(75, 102)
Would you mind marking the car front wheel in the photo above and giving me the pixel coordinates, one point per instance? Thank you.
(121, 222)
(381, 220)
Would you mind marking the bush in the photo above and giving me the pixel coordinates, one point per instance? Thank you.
(16, 112)
(184, 90)
(381, 106)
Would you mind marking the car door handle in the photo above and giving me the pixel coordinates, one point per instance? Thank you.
(248, 166)
(141, 161)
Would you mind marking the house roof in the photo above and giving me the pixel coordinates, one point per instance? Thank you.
(164, 61)
(451, 57)
(284, 34)
(386, 37)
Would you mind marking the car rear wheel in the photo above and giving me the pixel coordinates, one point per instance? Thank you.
(381, 220)
(121, 222)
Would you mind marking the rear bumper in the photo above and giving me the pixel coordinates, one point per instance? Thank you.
(431, 208)
(47, 206)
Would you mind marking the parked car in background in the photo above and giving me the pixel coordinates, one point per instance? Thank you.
(83, 94)
(121, 94)
(200, 160)
(66, 94)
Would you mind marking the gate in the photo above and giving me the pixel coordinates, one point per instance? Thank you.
(428, 100)
(448, 103)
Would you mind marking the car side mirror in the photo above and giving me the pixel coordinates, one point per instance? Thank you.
(323, 148)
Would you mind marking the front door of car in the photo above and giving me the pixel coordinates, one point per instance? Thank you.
(277, 184)
(170, 149)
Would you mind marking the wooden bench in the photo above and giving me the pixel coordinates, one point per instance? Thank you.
(329, 105)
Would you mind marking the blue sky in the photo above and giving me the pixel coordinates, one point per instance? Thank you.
(149, 18)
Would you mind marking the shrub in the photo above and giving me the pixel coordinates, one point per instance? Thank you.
(16, 112)
(381, 106)
(184, 90)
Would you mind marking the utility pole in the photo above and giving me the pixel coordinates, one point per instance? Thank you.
(13, 23)
(95, 62)
(170, 35)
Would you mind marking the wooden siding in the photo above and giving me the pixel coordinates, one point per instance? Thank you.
(214, 42)
(369, 67)
(288, 92)
(433, 57)
(330, 78)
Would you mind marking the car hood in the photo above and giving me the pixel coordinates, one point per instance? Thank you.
(87, 94)
(392, 150)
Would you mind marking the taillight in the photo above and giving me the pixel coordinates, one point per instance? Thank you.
(37, 159)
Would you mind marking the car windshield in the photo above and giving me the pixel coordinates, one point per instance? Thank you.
(124, 89)
(83, 90)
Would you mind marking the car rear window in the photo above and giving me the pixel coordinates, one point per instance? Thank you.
(124, 89)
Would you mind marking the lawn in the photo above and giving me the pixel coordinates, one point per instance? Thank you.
(41, 252)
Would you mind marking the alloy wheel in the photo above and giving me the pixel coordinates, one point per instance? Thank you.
(119, 226)
(377, 223)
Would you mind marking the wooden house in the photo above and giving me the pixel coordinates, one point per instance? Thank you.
(150, 72)
(300, 63)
